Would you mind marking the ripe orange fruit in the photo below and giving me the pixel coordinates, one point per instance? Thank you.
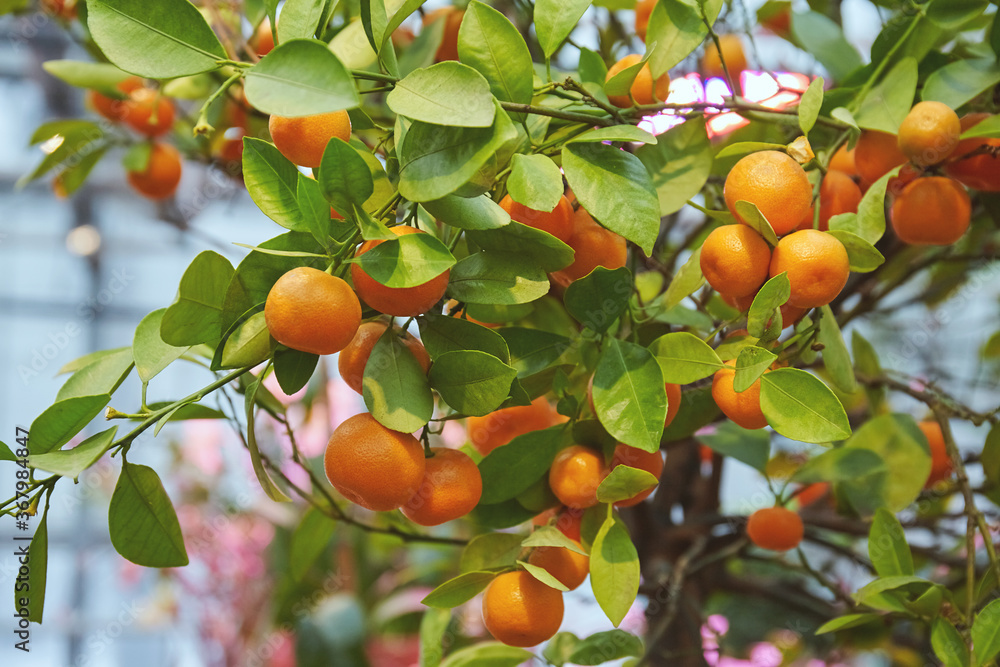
(875, 154)
(568, 521)
(843, 161)
(734, 260)
(790, 315)
(398, 301)
(979, 172)
(149, 113)
(373, 466)
(643, 90)
(643, 10)
(732, 52)
(776, 183)
(740, 303)
(263, 39)
(558, 221)
(775, 528)
(812, 493)
(575, 474)
(592, 246)
(568, 567)
(941, 467)
(452, 16)
(113, 109)
(64, 9)
(743, 408)
(651, 462)
(352, 359)
(303, 139)
(501, 426)
(673, 402)
(521, 611)
(837, 194)
(931, 211)
(312, 311)
(451, 488)
(929, 133)
(778, 21)
(162, 173)
(817, 267)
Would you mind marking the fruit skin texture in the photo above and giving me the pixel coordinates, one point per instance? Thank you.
(303, 139)
(875, 154)
(521, 611)
(451, 488)
(448, 49)
(743, 408)
(263, 39)
(643, 10)
(162, 174)
(592, 246)
(732, 51)
(149, 113)
(734, 260)
(931, 211)
(352, 359)
(775, 183)
(311, 311)
(398, 301)
(980, 172)
(651, 462)
(373, 466)
(817, 267)
(501, 426)
(775, 528)
(575, 474)
(642, 90)
(837, 194)
(843, 161)
(929, 133)
(558, 221)
(112, 109)
(673, 402)
(568, 567)
(941, 467)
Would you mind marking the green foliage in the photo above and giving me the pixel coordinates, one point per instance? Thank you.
(144, 527)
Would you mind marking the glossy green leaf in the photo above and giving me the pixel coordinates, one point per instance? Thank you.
(395, 387)
(752, 447)
(532, 350)
(897, 440)
(299, 19)
(497, 278)
(551, 536)
(83, 74)
(678, 27)
(489, 43)
(470, 381)
(509, 470)
(766, 306)
(459, 590)
(755, 220)
(986, 633)
(602, 647)
(948, 645)
(344, 177)
(33, 598)
(888, 102)
(300, 77)
(679, 163)
(835, 356)
(433, 624)
(293, 369)
(309, 540)
(253, 386)
(629, 394)
(80, 138)
(847, 621)
(487, 654)
(535, 181)
(952, 14)
(447, 93)
(629, 133)
(810, 105)
(799, 406)
(249, 344)
(825, 41)
(490, 550)
(468, 213)
(599, 298)
(959, 82)
(624, 482)
(861, 254)
(151, 354)
(684, 358)
(555, 20)
(142, 521)
(441, 334)
(103, 376)
(685, 282)
(196, 315)
(71, 462)
(750, 365)
(272, 182)
(62, 420)
(614, 570)
(531, 246)
(407, 261)
(989, 127)
(887, 547)
(542, 575)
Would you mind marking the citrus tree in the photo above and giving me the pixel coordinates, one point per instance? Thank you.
(474, 221)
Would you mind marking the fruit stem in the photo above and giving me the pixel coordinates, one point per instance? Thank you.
(203, 126)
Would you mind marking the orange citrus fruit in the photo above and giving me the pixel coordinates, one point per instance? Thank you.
(837, 194)
(843, 161)
(501, 426)
(941, 467)
(979, 172)
(592, 246)
(776, 183)
(812, 493)
(451, 488)
(775, 528)
(734, 260)
(742, 408)
(398, 301)
(732, 52)
(875, 155)
(162, 174)
(817, 266)
(643, 10)
(673, 402)
(109, 107)
(302, 139)
(934, 210)
(312, 311)
(568, 521)
(558, 221)
(521, 611)
(929, 133)
(568, 567)
(148, 112)
(651, 462)
(575, 474)
(452, 17)
(263, 39)
(643, 90)
(374, 466)
(352, 359)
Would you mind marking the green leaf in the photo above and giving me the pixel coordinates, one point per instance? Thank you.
(447, 93)
(847, 621)
(497, 278)
(532, 350)
(861, 254)
(870, 221)
(433, 624)
(151, 354)
(810, 105)
(766, 305)
(468, 213)
(509, 470)
(990, 457)
(623, 483)
(887, 547)
(71, 462)
(684, 358)
(489, 551)
(550, 536)
(196, 315)
(103, 376)
(887, 104)
(5, 453)
(840, 465)
(887, 584)
(867, 363)
(948, 645)
(685, 282)
(752, 447)
(470, 381)
(309, 540)
(602, 647)
(531, 246)
(407, 261)
(799, 406)
(986, 633)
(897, 440)
(825, 41)
(615, 188)
(489, 43)
(755, 220)
(249, 344)
(835, 355)
(272, 182)
(161, 40)
(559, 649)
(959, 82)
(679, 163)
(459, 590)
(84, 74)
(441, 334)
(555, 20)
(741, 148)
(542, 575)
(395, 388)
(614, 570)
(293, 369)
(143, 525)
(629, 394)
(677, 27)
(487, 654)
(62, 420)
(300, 77)
(79, 139)
(953, 14)
(33, 597)
(344, 177)
(629, 133)
(989, 127)
(299, 19)
(266, 483)
(750, 365)
(592, 67)
(599, 298)
(535, 181)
